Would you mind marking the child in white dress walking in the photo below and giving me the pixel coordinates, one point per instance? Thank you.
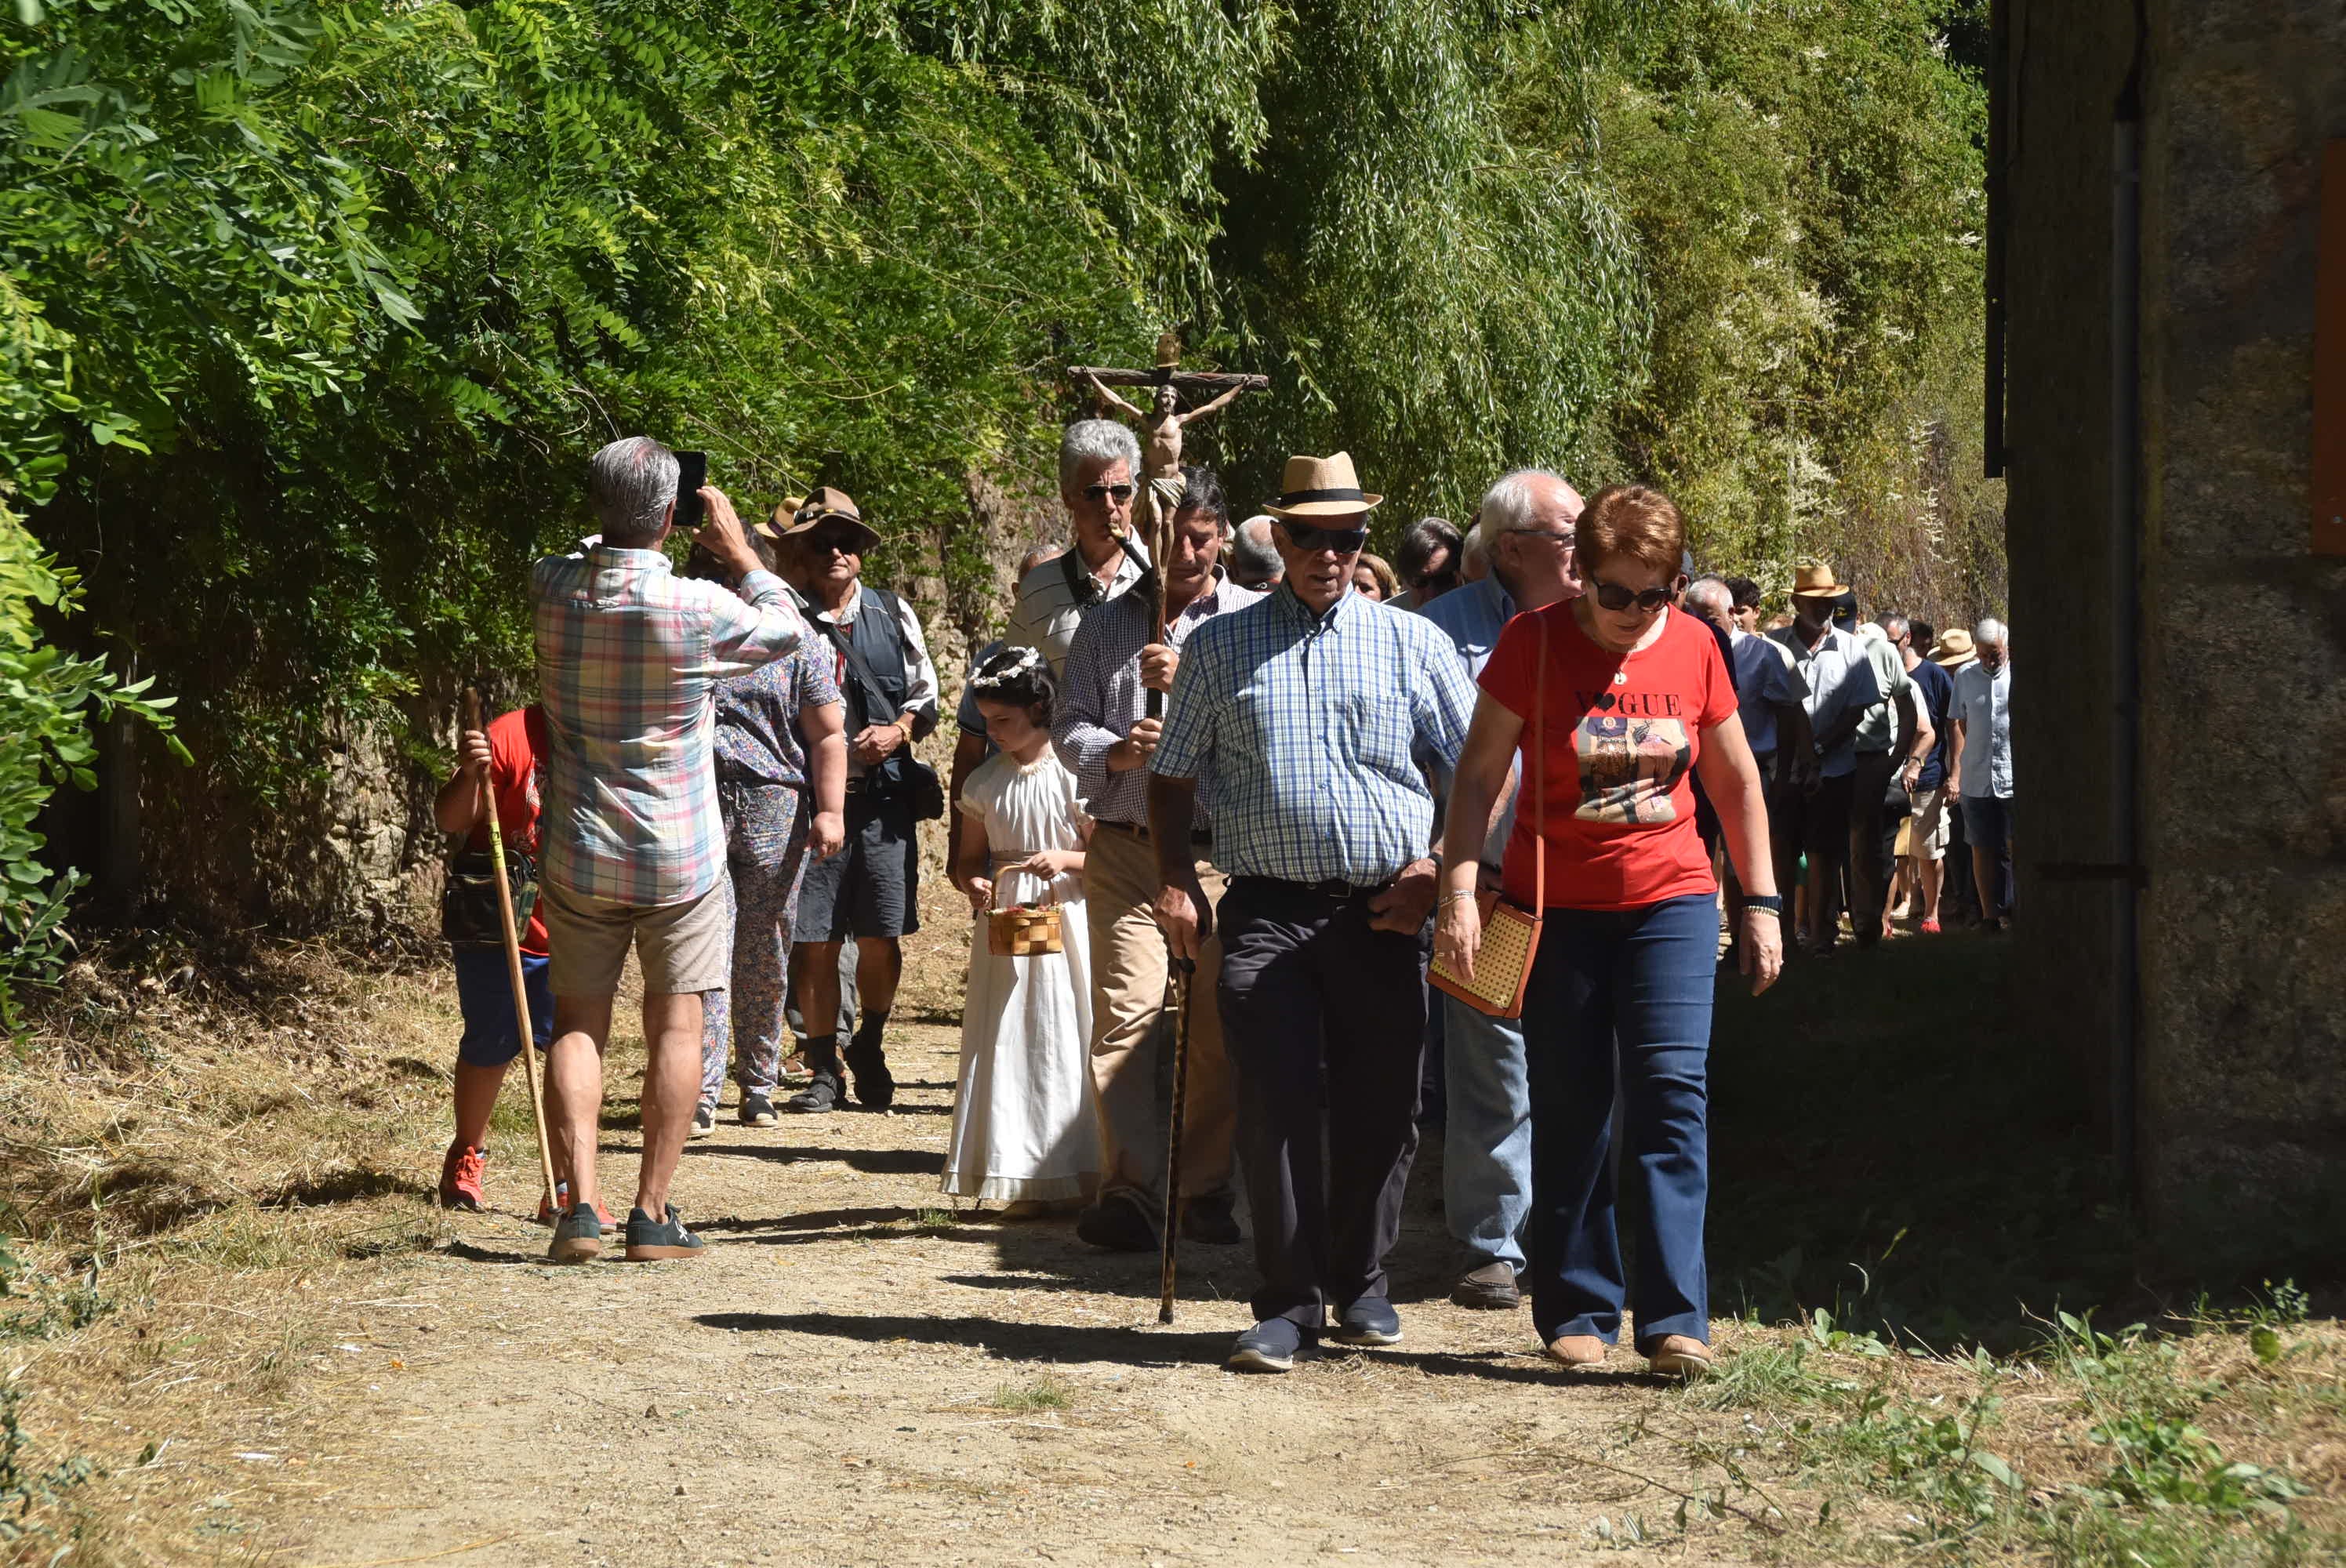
(1024, 1132)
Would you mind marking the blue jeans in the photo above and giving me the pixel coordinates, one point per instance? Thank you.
(1486, 1146)
(1642, 978)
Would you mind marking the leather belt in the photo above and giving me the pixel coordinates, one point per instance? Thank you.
(1333, 890)
(1145, 836)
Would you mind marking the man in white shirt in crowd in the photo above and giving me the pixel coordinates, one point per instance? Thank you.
(1982, 768)
(1842, 685)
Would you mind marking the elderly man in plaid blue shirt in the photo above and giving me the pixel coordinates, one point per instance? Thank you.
(1318, 715)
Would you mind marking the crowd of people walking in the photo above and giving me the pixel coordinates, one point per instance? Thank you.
(1463, 842)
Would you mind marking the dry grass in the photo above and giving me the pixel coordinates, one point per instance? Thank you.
(204, 1160)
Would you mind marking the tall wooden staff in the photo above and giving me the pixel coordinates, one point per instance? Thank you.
(513, 955)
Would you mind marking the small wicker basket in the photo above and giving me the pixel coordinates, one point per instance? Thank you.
(1021, 931)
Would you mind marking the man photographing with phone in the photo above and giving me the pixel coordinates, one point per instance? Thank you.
(628, 655)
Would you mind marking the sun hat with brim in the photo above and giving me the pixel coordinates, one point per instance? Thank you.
(771, 527)
(1817, 582)
(1953, 646)
(827, 503)
(1315, 488)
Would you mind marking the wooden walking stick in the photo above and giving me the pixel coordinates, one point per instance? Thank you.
(1183, 970)
(513, 955)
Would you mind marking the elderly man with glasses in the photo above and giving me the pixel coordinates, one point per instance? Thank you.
(1487, 1176)
(1100, 466)
(1317, 713)
(870, 889)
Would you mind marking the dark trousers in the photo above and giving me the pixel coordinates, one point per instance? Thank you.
(1631, 987)
(1869, 867)
(1306, 982)
(1816, 825)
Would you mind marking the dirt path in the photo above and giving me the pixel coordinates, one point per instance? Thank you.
(845, 1378)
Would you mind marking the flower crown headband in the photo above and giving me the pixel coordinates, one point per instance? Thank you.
(1029, 660)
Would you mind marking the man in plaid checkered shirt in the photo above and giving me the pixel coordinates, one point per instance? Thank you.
(628, 655)
(1318, 715)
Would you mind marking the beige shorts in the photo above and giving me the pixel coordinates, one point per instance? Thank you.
(1933, 824)
(682, 947)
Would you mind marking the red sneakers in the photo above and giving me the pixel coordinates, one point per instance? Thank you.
(1930, 928)
(546, 1211)
(460, 1177)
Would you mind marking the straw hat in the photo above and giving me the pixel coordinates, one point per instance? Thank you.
(828, 503)
(1817, 582)
(772, 527)
(1953, 647)
(1315, 487)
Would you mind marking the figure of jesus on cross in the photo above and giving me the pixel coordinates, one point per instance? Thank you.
(1161, 425)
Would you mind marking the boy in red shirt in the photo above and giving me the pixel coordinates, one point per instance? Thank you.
(507, 759)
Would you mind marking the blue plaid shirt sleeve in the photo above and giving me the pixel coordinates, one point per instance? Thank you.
(1198, 686)
(1442, 705)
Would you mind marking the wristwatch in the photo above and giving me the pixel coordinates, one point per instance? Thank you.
(1772, 902)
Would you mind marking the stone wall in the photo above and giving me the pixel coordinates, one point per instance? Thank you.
(2228, 749)
(2244, 640)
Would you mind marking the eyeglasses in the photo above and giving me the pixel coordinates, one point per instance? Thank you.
(1616, 598)
(832, 539)
(1308, 539)
(1550, 534)
(1099, 493)
(1434, 582)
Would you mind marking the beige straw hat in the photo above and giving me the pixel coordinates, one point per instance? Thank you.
(1953, 647)
(1321, 487)
(1817, 581)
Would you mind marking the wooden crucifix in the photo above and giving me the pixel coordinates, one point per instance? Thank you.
(1161, 432)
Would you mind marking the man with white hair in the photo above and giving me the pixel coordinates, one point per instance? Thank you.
(1099, 466)
(1526, 532)
(1254, 562)
(1981, 777)
(628, 655)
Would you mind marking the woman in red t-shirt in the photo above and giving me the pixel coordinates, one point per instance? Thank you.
(1637, 700)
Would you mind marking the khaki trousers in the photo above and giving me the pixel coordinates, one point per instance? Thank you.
(1132, 992)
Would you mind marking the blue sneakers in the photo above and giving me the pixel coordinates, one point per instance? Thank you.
(578, 1235)
(1269, 1347)
(1371, 1320)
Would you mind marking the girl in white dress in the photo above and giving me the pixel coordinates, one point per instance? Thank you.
(1024, 1130)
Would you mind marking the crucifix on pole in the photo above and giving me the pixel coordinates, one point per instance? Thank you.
(1160, 440)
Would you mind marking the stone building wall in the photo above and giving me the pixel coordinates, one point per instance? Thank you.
(2222, 1051)
(2244, 638)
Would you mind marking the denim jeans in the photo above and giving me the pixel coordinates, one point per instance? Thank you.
(1486, 1145)
(1642, 978)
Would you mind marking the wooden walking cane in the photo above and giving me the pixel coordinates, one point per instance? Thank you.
(1184, 971)
(513, 956)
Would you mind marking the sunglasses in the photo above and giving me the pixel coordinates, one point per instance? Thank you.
(1308, 539)
(1434, 582)
(1616, 598)
(824, 541)
(1099, 493)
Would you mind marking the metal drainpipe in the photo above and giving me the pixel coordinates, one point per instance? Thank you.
(2125, 593)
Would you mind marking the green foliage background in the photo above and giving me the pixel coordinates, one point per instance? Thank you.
(312, 308)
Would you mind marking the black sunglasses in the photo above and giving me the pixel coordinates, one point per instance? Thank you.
(1434, 582)
(1308, 539)
(1109, 492)
(1613, 596)
(825, 540)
